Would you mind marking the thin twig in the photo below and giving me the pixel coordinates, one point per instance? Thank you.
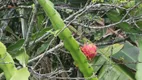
(30, 27)
(46, 53)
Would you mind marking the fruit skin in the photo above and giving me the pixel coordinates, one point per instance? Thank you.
(89, 50)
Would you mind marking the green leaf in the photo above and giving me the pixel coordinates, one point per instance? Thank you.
(41, 33)
(14, 48)
(94, 1)
(114, 16)
(139, 65)
(2, 49)
(21, 74)
(8, 29)
(42, 48)
(128, 54)
(22, 57)
(40, 19)
(113, 72)
(108, 70)
(98, 63)
(130, 4)
(111, 50)
(139, 23)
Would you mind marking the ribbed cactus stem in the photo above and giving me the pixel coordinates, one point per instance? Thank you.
(6, 62)
(69, 42)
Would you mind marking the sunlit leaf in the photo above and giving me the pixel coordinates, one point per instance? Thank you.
(7, 63)
(111, 50)
(22, 57)
(21, 74)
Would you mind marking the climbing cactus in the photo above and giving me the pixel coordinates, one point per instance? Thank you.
(69, 42)
(8, 66)
(6, 63)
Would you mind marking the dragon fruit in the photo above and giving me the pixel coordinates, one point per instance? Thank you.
(89, 50)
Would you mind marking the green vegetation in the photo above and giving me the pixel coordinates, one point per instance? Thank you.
(43, 39)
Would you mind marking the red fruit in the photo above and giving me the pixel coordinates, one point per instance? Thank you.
(89, 51)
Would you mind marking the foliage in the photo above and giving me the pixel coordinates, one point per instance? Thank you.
(34, 41)
(8, 67)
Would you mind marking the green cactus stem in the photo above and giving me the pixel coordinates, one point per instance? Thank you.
(69, 42)
(6, 63)
(8, 67)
